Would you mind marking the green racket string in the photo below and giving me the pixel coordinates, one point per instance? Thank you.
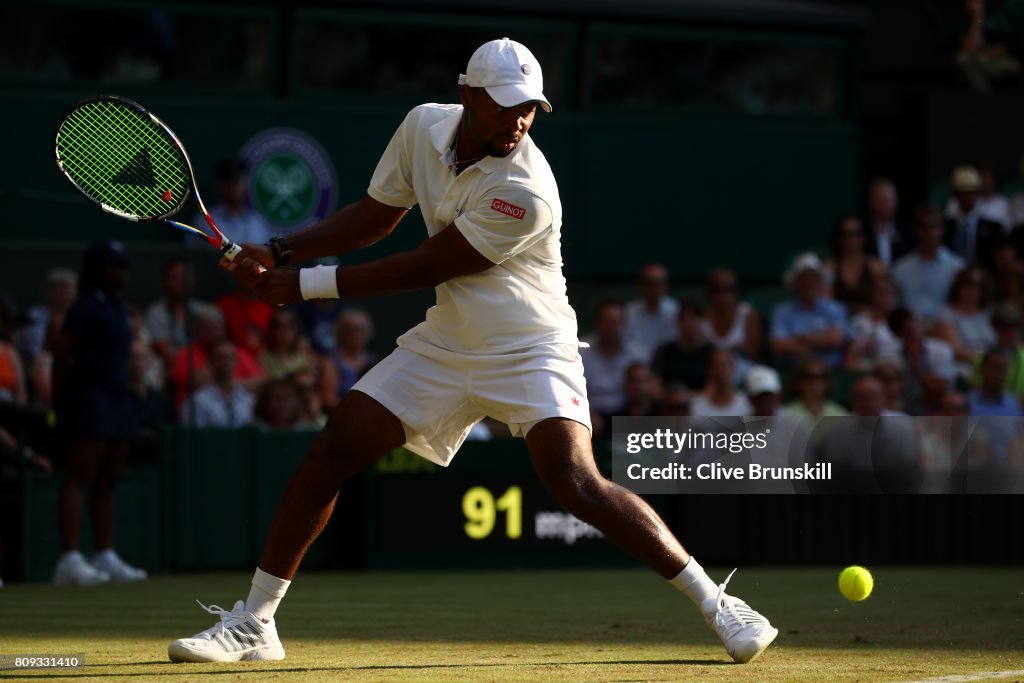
(121, 158)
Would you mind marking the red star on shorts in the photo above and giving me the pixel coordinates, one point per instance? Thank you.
(575, 401)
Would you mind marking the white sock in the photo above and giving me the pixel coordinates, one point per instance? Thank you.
(265, 594)
(695, 583)
(70, 554)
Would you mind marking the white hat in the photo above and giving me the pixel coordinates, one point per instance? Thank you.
(965, 179)
(763, 380)
(509, 72)
(805, 261)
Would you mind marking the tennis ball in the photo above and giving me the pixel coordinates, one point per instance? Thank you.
(855, 583)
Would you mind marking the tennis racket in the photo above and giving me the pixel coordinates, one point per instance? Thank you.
(131, 164)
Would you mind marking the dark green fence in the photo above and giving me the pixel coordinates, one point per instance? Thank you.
(208, 505)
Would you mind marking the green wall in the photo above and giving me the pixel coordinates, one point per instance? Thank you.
(695, 192)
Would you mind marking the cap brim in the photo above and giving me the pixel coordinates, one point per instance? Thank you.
(516, 94)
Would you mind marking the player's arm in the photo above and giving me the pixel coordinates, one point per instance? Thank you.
(444, 256)
(353, 227)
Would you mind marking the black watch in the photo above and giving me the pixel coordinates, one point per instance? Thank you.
(279, 248)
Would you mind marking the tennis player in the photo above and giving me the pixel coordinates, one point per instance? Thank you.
(500, 342)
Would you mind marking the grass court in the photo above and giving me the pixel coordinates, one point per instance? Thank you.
(589, 625)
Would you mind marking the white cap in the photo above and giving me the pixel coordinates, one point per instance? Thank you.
(805, 261)
(763, 380)
(509, 72)
(965, 179)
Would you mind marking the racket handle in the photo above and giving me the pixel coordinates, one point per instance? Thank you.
(231, 250)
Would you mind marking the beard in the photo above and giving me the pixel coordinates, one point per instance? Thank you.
(496, 148)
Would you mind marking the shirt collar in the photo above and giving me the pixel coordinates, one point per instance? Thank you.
(442, 135)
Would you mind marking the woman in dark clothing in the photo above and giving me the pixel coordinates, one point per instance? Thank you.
(95, 414)
(852, 269)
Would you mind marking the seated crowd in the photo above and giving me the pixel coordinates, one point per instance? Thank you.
(931, 311)
(245, 362)
(926, 315)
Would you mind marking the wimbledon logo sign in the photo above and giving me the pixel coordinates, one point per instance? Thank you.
(292, 181)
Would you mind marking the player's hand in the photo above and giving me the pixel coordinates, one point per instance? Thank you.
(260, 253)
(278, 286)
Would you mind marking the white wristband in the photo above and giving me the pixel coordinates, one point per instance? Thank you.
(319, 282)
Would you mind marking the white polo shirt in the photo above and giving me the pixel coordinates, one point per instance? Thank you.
(508, 210)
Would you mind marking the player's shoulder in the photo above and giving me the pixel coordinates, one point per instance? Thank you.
(530, 173)
(429, 113)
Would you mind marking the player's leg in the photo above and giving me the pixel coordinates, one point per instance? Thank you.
(83, 461)
(359, 432)
(103, 492)
(563, 458)
(103, 505)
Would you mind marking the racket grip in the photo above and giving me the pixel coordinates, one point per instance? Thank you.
(231, 250)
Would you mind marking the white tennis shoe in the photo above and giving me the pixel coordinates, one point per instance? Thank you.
(109, 562)
(240, 636)
(744, 632)
(73, 570)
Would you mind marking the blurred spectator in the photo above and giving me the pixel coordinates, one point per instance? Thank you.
(729, 323)
(809, 322)
(640, 392)
(58, 295)
(851, 269)
(1007, 270)
(991, 205)
(943, 440)
(233, 214)
(223, 402)
(95, 414)
(319, 319)
(606, 360)
(311, 404)
(279, 407)
(811, 389)
(246, 318)
(888, 238)
(153, 408)
(191, 368)
(890, 373)
(1017, 199)
(12, 374)
(967, 319)
(720, 397)
(988, 46)
(764, 389)
(925, 274)
(351, 358)
(675, 401)
(285, 353)
(970, 233)
(1006, 320)
(990, 397)
(167, 319)
(871, 339)
(996, 441)
(686, 359)
(40, 375)
(929, 364)
(871, 454)
(651, 319)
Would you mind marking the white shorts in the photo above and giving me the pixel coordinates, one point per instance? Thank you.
(439, 399)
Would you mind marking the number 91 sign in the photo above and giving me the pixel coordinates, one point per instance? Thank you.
(481, 510)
